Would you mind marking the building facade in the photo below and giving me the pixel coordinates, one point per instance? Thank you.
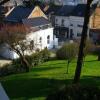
(41, 34)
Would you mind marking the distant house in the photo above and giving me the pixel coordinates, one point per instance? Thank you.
(95, 25)
(62, 22)
(77, 21)
(42, 34)
(69, 21)
(95, 19)
(21, 12)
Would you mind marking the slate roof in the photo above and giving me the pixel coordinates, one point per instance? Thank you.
(34, 22)
(53, 9)
(19, 13)
(66, 10)
(79, 10)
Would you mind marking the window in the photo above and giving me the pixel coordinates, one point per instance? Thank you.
(71, 24)
(48, 39)
(62, 23)
(80, 25)
(56, 22)
(31, 44)
(40, 40)
(78, 34)
(71, 33)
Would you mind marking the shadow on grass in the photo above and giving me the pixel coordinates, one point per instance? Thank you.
(36, 69)
(31, 87)
(85, 61)
(40, 87)
(91, 61)
(91, 80)
(60, 63)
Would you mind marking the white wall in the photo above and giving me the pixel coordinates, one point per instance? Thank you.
(74, 25)
(72, 22)
(35, 36)
(58, 21)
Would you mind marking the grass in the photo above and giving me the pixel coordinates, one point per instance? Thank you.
(48, 77)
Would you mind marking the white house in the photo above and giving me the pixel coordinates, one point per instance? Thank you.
(69, 23)
(62, 22)
(41, 35)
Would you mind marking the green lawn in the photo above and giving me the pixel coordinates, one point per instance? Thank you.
(44, 79)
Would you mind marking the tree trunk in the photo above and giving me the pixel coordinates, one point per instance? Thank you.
(68, 67)
(24, 61)
(25, 64)
(82, 43)
(99, 57)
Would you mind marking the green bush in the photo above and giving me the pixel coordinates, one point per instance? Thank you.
(11, 69)
(33, 60)
(40, 57)
(75, 92)
(67, 51)
(96, 51)
(45, 54)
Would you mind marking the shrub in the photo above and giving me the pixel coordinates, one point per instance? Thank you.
(36, 58)
(45, 54)
(17, 67)
(67, 51)
(97, 52)
(88, 48)
(75, 92)
(11, 69)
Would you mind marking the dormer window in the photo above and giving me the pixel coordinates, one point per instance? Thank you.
(48, 39)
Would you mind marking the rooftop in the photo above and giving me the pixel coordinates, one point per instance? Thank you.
(19, 13)
(36, 22)
(52, 9)
(66, 10)
(79, 10)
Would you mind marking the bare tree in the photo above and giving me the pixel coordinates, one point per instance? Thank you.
(82, 43)
(15, 37)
